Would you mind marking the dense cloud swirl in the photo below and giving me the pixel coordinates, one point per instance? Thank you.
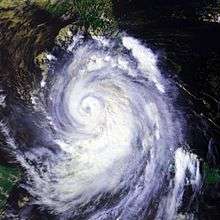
(118, 134)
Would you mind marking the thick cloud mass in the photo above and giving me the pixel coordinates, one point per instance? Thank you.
(118, 134)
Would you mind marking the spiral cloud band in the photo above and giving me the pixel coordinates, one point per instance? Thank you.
(118, 134)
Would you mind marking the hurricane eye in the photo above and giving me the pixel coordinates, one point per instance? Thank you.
(117, 134)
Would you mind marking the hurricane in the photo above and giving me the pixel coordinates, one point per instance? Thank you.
(112, 143)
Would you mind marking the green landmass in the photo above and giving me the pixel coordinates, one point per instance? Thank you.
(95, 15)
(212, 175)
(8, 178)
